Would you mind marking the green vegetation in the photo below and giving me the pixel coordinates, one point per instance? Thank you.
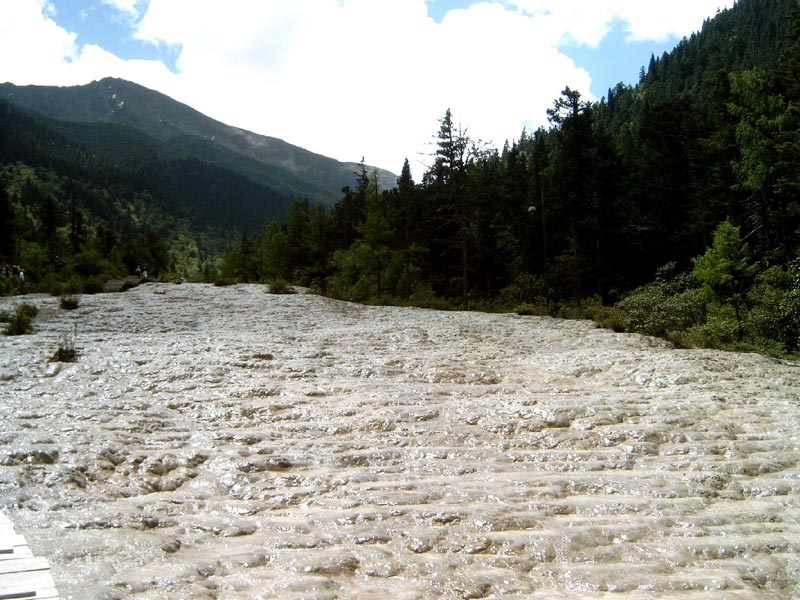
(66, 351)
(280, 286)
(202, 162)
(65, 354)
(21, 321)
(68, 302)
(695, 168)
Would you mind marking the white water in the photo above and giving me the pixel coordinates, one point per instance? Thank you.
(227, 443)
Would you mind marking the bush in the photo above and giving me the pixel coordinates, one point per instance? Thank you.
(572, 310)
(21, 322)
(425, 297)
(74, 285)
(93, 286)
(527, 309)
(223, 282)
(664, 306)
(608, 317)
(774, 302)
(280, 286)
(526, 289)
(65, 354)
(66, 351)
(68, 302)
(720, 330)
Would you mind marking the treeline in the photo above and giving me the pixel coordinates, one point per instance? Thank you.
(71, 219)
(74, 214)
(702, 156)
(71, 235)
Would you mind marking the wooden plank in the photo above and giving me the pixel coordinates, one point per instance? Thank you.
(17, 552)
(33, 580)
(23, 565)
(9, 538)
(14, 593)
(22, 575)
(13, 541)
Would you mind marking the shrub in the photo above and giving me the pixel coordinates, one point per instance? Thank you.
(280, 286)
(64, 354)
(223, 282)
(425, 297)
(664, 306)
(66, 351)
(74, 285)
(93, 286)
(21, 321)
(68, 302)
(608, 317)
(774, 302)
(526, 289)
(527, 309)
(571, 309)
(720, 330)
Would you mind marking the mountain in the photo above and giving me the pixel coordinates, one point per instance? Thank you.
(183, 131)
(112, 156)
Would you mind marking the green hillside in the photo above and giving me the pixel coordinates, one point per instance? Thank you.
(266, 160)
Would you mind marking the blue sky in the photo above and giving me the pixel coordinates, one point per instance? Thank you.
(616, 59)
(351, 78)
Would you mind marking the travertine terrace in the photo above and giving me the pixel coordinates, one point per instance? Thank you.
(228, 443)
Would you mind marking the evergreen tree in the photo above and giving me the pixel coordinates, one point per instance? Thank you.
(6, 223)
(447, 186)
(573, 196)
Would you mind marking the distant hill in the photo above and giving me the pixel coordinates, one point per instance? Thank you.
(106, 155)
(183, 132)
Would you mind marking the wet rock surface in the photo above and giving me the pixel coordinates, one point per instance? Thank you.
(226, 443)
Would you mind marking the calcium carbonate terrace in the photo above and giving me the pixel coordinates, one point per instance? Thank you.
(227, 443)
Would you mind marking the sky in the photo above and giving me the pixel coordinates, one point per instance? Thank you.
(351, 79)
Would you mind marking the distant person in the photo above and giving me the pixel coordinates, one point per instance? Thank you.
(22, 276)
(144, 274)
(138, 271)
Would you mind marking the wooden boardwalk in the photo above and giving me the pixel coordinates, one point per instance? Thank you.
(22, 575)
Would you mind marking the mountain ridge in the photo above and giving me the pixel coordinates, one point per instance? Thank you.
(267, 160)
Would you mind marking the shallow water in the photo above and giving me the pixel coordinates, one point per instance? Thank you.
(227, 443)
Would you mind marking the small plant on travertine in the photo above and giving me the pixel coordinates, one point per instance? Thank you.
(66, 351)
(21, 321)
(68, 302)
(280, 286)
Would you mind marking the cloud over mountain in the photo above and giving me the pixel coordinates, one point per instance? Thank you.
(346, 78)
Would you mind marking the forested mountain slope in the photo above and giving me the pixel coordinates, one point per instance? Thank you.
(268, 161)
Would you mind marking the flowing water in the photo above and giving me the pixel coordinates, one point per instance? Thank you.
(227, 443)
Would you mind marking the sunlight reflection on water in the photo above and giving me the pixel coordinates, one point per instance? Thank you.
(225, 443)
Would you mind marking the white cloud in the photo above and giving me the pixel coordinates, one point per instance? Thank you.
(31, 43)
(348, 78)
(128, 7)
(38, 51)
(359, 77)
(587, 21)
